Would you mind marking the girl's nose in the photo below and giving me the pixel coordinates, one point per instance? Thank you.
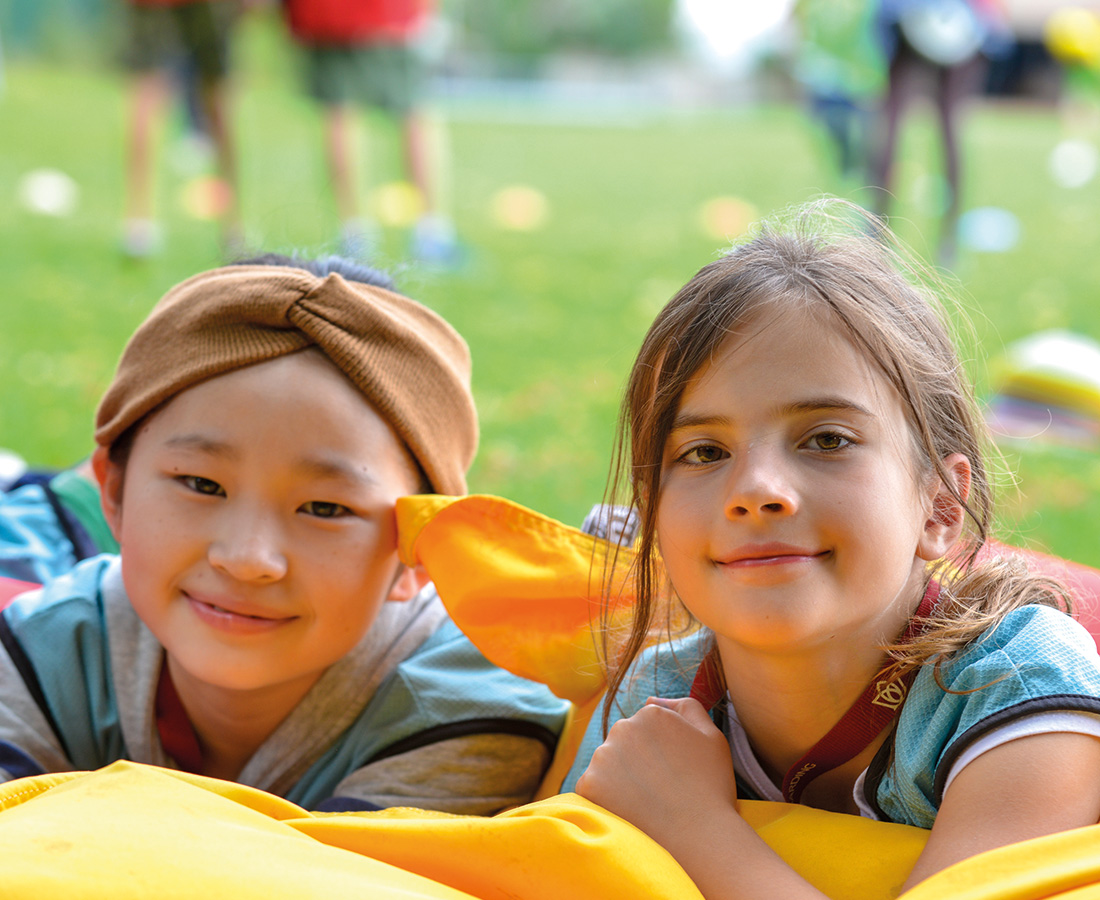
(249, 549)
(759, 485)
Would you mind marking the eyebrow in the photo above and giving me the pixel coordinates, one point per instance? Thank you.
(334, 470)
(315, 467)
(202, 444)
(809, 405)
(822, 404)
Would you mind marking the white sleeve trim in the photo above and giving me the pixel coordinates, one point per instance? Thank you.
(1049, 722)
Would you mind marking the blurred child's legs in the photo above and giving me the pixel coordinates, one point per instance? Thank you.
(389, 77)
(158, 39)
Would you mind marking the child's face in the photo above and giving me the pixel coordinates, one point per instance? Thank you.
(791, 511)
(256, 522)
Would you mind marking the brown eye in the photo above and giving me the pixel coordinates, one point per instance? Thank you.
(829, 440)
(703, 454)
(324, 509)
(202, 485)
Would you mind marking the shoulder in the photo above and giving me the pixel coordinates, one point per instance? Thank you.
(73, 598)
(1032, 651)
(438, 709)
(57, 640)
(447, 680)
(1037, 659)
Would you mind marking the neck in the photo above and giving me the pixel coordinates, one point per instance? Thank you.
(787, 704)
(789, 697)
(231, 725)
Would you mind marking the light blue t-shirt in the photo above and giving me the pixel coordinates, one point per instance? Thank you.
(1037, 659)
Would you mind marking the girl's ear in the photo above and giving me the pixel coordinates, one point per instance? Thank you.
(409, 582)
(944, 526)
(110, 477)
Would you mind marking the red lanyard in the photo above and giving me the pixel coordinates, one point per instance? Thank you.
(875, 708)
(177, 737)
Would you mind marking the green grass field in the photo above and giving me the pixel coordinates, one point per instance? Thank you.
(553, 316)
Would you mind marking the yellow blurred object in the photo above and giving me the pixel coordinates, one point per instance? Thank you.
(726, 218)
(1072, 35)
(519, 207)
(205, 197)
(397, 204)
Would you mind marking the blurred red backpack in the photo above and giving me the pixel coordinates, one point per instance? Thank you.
(349, 22)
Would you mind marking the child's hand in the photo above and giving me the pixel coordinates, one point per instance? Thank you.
(667, 769)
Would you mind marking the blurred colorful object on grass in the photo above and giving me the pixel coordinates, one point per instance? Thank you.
(989, 229)
(48, 192)
(397, 204)
(1047, 388)
(1072, 35)
(726, 218)
(1074, 162)
(205, 197)
(519, 207)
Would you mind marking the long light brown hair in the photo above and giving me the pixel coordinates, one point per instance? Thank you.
(833, 261)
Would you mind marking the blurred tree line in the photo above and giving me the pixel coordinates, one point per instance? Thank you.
(524, 32)
(533, 29)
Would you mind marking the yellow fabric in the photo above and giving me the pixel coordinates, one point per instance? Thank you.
(503, 570)
(1066, 866)
(131, 832)
(134, 831)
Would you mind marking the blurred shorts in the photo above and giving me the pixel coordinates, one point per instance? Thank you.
(160, 37)
(386, 76)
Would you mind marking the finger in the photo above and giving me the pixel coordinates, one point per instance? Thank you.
(696, 714)
(664, 702)
(689, 708)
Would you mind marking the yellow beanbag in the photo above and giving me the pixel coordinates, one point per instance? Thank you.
(132, 831)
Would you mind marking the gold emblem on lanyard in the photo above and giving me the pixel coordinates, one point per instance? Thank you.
(890, 694)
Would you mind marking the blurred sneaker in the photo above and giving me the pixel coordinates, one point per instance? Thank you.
(434, 242)
(141, 238)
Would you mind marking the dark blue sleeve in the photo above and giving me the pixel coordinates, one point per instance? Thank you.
(16, 763)
(339, 804)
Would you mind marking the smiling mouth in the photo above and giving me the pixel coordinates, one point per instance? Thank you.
(215, 613)
(784, 557)
(228, 612)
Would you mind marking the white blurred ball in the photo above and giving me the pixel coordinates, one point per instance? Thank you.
(48, 192)
(1073, 163)
(989, 229)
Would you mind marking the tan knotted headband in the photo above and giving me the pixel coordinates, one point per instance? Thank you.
(411, 365)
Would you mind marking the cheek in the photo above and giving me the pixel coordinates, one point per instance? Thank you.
(677, 527)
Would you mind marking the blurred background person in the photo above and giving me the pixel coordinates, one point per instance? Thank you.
(164, 39)
(367, 53)
(840, 66)
(943, 45)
